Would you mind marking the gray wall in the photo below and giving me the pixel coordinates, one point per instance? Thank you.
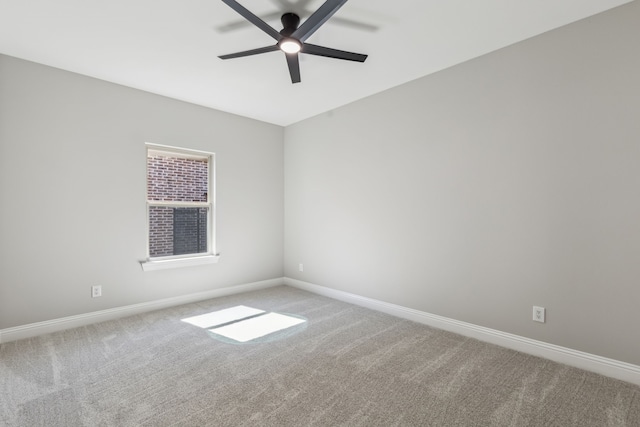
(508, 181)
(72, 192)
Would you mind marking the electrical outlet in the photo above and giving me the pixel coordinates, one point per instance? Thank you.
(538, 314)
(96, 291)
(300, 267)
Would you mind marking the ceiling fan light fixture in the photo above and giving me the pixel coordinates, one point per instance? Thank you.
(289, 45)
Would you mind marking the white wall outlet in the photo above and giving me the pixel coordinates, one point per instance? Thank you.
(538, 314)
(96, 291)
(300, 267)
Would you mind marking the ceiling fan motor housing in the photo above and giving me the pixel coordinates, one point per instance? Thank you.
(290, 22)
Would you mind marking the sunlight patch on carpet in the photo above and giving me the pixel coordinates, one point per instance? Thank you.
(257, 327)
(221, 317)
(241, 324)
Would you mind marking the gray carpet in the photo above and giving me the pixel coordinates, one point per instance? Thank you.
(346, 366)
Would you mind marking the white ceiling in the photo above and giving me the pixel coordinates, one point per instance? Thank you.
(170, 47)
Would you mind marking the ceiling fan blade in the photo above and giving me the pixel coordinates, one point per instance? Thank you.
(317, 18)
(313, 49)
(233, 4)
(250, 52)
(237, 25)
(294, 66)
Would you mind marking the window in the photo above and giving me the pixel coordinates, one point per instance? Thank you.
(180, 206)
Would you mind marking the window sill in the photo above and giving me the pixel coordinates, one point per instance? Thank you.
(179, 262)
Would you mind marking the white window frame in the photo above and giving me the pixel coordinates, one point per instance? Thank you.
(185, 260)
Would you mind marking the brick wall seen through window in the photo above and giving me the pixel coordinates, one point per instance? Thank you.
(173, 181)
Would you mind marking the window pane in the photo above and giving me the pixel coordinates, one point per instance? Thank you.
(189, 230)
(177, 231)
(177, 179)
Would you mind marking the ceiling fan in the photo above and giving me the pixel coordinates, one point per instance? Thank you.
(291, 39)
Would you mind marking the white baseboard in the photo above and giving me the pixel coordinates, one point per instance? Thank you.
(55, 325)
(589, 362)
